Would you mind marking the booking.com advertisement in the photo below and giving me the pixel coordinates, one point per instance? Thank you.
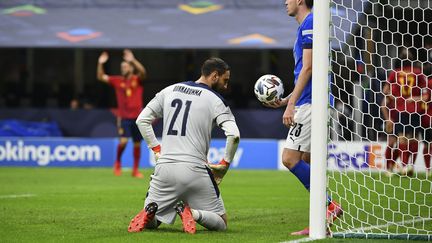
(251, 154)
(56, 152)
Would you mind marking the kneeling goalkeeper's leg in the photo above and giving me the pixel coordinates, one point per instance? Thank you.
(210, 220)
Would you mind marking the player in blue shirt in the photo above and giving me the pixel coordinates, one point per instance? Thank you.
(297, 115)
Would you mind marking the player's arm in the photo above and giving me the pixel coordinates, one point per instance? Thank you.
(129, 57)
(302, 81)
(152, 111)
(232, 134)
(101, 75)
(144, 123)
(278, 103)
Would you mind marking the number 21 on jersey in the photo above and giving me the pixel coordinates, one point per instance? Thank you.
(177, 104)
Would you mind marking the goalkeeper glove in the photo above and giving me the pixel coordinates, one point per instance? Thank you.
(156, 151)
(219, 170)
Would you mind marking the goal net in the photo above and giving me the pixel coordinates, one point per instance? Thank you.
(380, 61)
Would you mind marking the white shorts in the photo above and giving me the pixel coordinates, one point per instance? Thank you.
(192, 183)
(299, 135)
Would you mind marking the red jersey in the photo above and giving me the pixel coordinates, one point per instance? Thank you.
(406, 86)
(129, 95)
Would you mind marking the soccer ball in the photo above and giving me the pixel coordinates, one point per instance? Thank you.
(268, 88)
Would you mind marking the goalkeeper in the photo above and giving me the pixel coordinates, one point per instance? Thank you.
(182, 181)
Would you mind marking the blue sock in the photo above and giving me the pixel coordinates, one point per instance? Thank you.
(302, 171)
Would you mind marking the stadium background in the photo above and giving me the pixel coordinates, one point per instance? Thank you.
(48, 57)
(49, 51)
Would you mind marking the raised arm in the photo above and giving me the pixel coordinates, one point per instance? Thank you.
(101, 75)
(129, 57)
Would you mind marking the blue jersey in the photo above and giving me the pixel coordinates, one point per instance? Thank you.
(303, 41)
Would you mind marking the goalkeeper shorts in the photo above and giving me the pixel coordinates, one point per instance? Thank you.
(191, 183)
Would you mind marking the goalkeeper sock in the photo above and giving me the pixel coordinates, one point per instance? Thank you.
(302, 171)
(210, 220)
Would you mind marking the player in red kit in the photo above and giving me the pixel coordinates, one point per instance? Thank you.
(427, 125)
(403, 94)
(128, 88)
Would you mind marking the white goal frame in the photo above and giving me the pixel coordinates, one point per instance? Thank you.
(411, 218)
(320, 76)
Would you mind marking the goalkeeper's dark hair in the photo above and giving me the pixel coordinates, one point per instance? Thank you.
(214, 64)
(309, 3)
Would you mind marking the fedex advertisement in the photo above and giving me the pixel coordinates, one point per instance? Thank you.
(357, 156)
(351, 156)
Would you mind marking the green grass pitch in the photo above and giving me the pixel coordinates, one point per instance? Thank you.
(70, 204)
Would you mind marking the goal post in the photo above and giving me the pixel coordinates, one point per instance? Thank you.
(320, 74)
(357, 45)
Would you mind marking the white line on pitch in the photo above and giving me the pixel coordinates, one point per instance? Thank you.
(299, 240)
(16, 196)
(365, 229)
(361, 229)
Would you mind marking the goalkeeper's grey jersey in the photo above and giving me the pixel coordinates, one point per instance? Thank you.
(190, 111)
